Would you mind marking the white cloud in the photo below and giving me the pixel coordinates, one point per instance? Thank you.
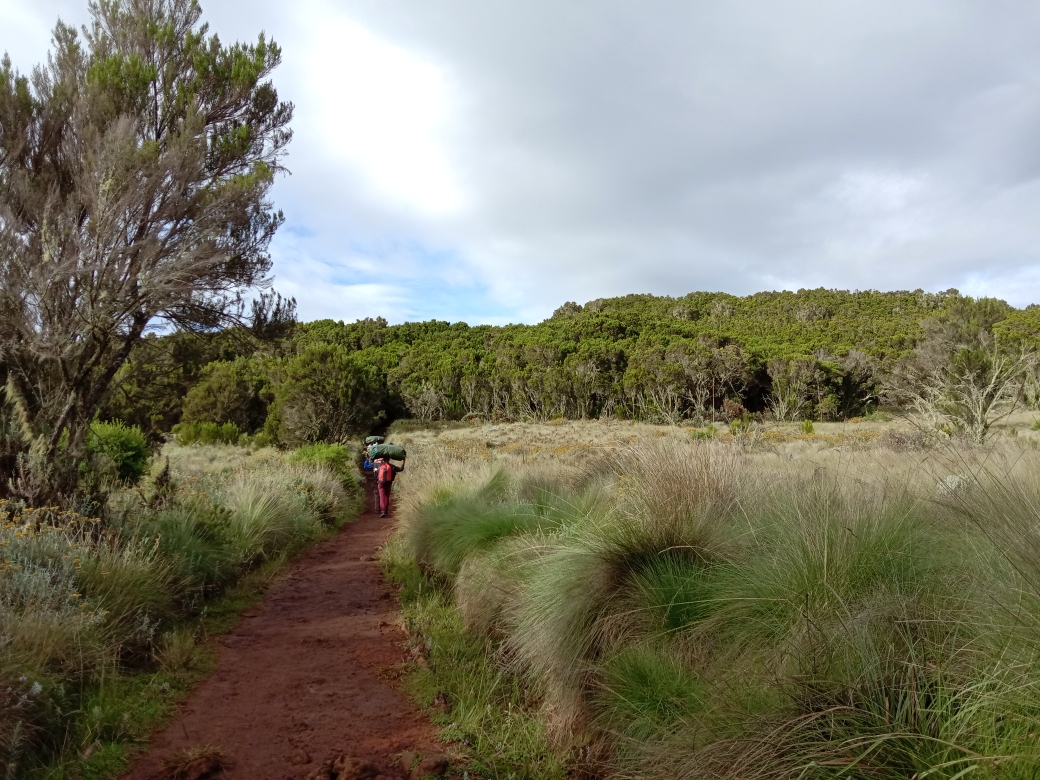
(382, 110)
(25, 27)
(321, 294)
(491, 160)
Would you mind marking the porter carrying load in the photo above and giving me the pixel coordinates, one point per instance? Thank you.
(388, 451)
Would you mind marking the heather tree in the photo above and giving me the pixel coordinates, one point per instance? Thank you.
(135, 174)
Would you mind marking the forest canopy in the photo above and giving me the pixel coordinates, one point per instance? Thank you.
(812, 354)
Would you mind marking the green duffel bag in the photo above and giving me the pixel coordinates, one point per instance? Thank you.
(389, 451)
(374, 440)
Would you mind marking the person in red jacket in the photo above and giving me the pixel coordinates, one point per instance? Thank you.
(385, 474)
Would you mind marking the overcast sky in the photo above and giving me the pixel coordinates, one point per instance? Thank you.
(486, 161)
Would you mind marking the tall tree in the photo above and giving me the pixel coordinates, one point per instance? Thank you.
(961, 377)
(135, 174)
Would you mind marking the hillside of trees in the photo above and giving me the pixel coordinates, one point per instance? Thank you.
(812, 354)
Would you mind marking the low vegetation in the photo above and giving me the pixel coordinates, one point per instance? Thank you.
(688, 608)
(102, 621)
(691, 603)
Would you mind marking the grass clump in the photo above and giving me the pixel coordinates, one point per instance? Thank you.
(645, 691)
(479, 705)
(457, 527)
(686, 609)
(338, 458)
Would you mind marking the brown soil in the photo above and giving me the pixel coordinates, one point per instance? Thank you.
(303, 679)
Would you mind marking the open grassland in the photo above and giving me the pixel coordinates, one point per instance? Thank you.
(635, 602)
(510, 441)
(101, 622)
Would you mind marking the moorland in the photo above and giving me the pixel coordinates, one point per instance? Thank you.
(639, 539)
(785, 535)
(626, 600)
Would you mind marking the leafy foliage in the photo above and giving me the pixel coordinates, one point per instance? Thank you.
(188, 433)
(962, 376)
(338, 458)
(228, 392)
(324, 394)
(704, 358)
(121, 448)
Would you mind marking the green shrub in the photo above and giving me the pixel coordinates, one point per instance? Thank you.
(118, 449)
(262, 439)
(325, 394)
(228, 392)
(807, 427)
(193, 540)
(873, 414)
(96, 620)
(339, 458)
(206, 433)
(743, 424)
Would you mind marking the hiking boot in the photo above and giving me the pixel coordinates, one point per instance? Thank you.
(382, 514)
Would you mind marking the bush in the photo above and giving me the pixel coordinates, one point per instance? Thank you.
(93, 622)
(118, 449)
(338, 458)
(706, 433)
(228, 392)
(206, 433)
(325, 394)
(733, 410)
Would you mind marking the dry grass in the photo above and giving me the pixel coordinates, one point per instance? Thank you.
(198, 763)
(778, 605)
(177, 650)
(206, 460)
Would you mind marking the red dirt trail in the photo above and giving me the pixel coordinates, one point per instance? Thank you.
(301, 679)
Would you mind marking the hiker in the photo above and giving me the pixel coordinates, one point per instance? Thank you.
(385, 474)
(370, 443)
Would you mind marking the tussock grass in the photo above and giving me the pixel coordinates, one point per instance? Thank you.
(177, 650)
(699, 609)
(99, 619)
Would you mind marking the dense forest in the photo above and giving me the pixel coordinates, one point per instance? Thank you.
(812, 354)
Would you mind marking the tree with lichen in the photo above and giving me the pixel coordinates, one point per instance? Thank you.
(135, 172)
(962, 377)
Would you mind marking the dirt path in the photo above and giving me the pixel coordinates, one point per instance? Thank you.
(299, 679)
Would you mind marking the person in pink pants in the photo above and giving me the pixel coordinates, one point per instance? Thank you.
(385, 474)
